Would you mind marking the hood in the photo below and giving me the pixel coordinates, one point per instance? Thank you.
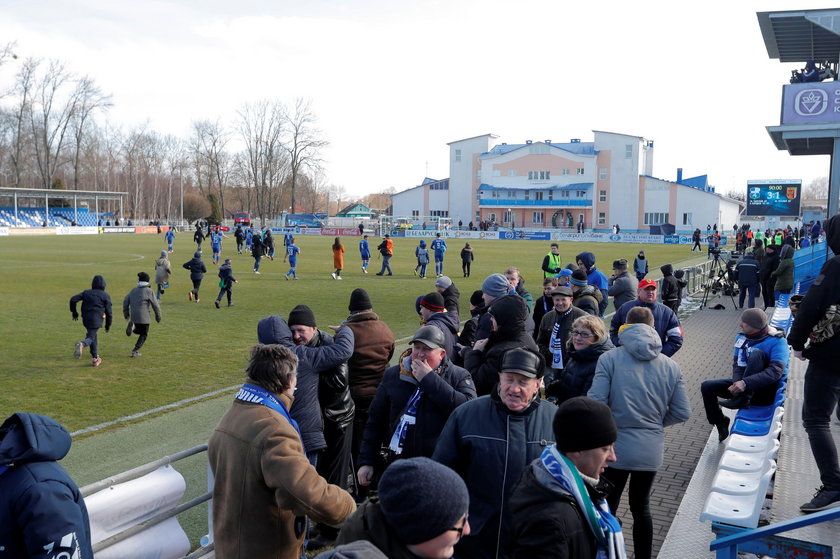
(667, 270)
(225, 266)
(832, 233)
(587, 258)
(197, 254)
(422, 244)
(641, 341)
(510, 312)
(26, 437)
(445, 321)
(591, 290)
(274, 330)
(641, 255)
(163, 254)
(98, 282)
(786, 252)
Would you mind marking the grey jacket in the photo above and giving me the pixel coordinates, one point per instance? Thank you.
(645, 391)
(623, 288)
(136, 304)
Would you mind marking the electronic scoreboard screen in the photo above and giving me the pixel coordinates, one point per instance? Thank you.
(773, 198)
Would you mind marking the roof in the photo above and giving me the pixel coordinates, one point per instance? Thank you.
(577, 148)
(801, 35)
(700, 181)
(352, 206)
(473, 138)
(586, 186)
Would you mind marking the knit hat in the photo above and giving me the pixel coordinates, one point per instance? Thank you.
(443, 281)
(302, 315)
(476, 298)
(755, 318)
(579, 278)
(565, 273)
(433, 301)
(143, 276)
(421, 499)
(359, 300)
(620, 264)
(496, 285)
(583, 424)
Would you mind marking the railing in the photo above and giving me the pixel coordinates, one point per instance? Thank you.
(728, 547)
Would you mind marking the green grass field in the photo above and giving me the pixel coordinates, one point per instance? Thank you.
(197, 348)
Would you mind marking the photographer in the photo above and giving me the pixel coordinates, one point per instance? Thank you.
(747, 274)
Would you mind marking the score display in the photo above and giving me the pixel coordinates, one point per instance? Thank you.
(773, 198)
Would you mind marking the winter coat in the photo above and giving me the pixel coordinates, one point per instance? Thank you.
(547, 522)
(338, 257)
(373, 349)
(467, 336)
(547, 326)
(768, 265)
(136, 304)
(747, 270)
(525, 294)
(490, 446)
(551, 265)
(669, 292)
(441, 393)
(162, 269)
(95, 304)
(226, 275)
(196, 267)
(623, 288)
(422, 255)
(368, 523)
(467, 255)
(665, 321)
(577, 375)
(39, 503)
(446, 322)
(645, 391)
(264, 485)
(595, 277)
(257, 248)
(452, 300)
(640, 265)
(198, 236)
(359, 549)
(386, 247)
(312, 361)
(334, 387)
(588, 299)
(784, 271)
(542, 306)
(825, 291)
(510, 312)
(758, 254)
(762, 383)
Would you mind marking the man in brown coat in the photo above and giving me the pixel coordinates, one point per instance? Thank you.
(264, 486)
(372, 352)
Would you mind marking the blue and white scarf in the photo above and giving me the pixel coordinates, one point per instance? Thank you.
(604, 525)
(409, 417)
(257, 395)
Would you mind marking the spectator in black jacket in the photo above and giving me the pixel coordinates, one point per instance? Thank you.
(748, 279)
(226, 281)
(545, 303)
(412, 403)
(467, 336)
(670, 290)
(96, 305)
(768, 283)
(451, 294)
(197, 270)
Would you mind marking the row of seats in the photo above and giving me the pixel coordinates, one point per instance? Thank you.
(748, 461)
(34, 217)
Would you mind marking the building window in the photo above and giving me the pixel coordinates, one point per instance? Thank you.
(439, 213)
(565, 172)
(581, 193)
(511, 172)
(564, 194)
(457, 155)
(495, 194)
(497, 173)
(602, 173)
(527, 194)
(508, 216)
(538, 195)
(687, 219)
(656, 218)
(538, 149)
(551, 195)
(628, 151)
(602, 196)
(602, 218)
(580, 170)
(538, 218)
(478, 175)
(491, 217)
(415, 213)
(539, 175)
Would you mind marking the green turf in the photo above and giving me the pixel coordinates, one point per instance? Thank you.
(197, 348)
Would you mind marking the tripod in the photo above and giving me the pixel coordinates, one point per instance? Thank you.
(719, 280)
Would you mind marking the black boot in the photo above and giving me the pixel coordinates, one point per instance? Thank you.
(723, 429)
(739, 402)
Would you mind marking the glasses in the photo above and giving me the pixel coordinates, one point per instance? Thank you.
(460, 529)
(584, 335)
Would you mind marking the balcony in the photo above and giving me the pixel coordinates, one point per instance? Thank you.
(562, 203)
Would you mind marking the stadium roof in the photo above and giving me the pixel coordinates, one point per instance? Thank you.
(801, 35)
(54, 193)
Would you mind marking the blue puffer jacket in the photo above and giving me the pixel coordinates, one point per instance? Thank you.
(306, 409)
(665, 322)
(40, 506)
(95, 304)
(490, 446)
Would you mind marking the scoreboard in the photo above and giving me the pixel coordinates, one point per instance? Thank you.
(773, 198)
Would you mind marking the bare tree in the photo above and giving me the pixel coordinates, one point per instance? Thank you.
(302, 142)
(816, 190)
(263, 163)
(89, 99)
(209, 142)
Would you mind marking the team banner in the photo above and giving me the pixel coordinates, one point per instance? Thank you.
(340, 232)
(31, 231)
(773, 198)
(118, 229)
(77, 230)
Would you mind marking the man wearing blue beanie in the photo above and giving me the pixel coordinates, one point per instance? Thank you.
(421, 511)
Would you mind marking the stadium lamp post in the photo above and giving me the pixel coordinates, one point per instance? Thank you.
(181, 187)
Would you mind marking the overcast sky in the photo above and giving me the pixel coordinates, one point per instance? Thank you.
(392, 81)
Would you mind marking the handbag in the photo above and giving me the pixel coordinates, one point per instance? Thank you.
(826, 327)
(221, 284)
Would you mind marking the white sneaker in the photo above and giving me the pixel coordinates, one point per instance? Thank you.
(333, 275)
(339, 278)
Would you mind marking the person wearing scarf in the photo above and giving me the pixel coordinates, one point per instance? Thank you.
(760, 358)
(265, 487)
(559, 507)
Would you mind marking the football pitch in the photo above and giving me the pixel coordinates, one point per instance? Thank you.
(197, 348)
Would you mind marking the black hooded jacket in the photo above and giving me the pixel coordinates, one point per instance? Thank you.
(510, 313)
(824, 292)
(95, 304)
(670, 290)
(446, 322)
(196, 267)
